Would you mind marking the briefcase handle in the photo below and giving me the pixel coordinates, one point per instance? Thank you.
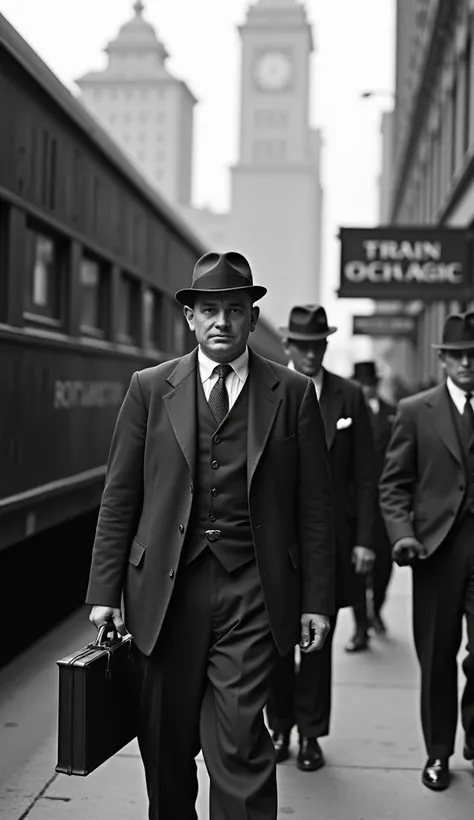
(106, 630)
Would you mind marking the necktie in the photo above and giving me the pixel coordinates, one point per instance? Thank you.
(468, 412)
(219, 398)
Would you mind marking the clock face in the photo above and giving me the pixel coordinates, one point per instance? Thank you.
(273, 70)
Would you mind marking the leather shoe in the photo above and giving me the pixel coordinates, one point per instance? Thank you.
(378, 624)
(435, 775)
(281, 742)
(358, 643)
(468, 750)
(310, 756)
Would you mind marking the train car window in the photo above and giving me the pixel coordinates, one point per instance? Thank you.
(152, 317)
(44, 282)
(129, 309)
(94, 293)
(179, 331)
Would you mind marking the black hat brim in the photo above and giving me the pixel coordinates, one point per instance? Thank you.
(286, 333)
(187, 296)
(454, 345)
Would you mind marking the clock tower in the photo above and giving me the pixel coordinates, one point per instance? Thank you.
(276, 195)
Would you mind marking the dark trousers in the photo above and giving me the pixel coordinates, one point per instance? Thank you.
(205, 686)
(443, 591)
(303, 698)
(375, 582)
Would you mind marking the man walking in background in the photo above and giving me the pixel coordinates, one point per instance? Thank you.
(382, 414)
(304, 698)
(427, 499)
(216, 523)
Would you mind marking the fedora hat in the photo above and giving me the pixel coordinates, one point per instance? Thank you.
(220, 273)
(365, 372)
(308, 323)
(458, 332)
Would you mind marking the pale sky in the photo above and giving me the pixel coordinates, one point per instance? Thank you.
(354, 52)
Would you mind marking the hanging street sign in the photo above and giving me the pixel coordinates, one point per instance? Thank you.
(428, 263)
(382, 324)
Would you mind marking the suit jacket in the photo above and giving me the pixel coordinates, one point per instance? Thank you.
(148, 494)
(352, 462)
(423, 483)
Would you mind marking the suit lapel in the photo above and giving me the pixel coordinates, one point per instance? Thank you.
(179, 402)
(263, 407)
(331, 405)
(439, 402)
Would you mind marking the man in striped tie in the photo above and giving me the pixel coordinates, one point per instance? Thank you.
(217, 525)
(427, 500)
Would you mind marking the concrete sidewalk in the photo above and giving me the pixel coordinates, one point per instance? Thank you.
(374, 755)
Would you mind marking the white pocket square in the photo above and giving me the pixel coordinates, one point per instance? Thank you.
(343, 424)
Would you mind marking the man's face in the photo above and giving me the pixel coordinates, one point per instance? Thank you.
(369, 390)
(222, 324)
(459, 366)
(307, 357)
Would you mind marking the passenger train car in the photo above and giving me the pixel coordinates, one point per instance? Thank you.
(90, 258)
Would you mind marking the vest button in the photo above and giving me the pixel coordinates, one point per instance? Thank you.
(214, 492)
(217, 439)
(171, 573)
(212, 517)
(215, 465)
(461, 487)
(181, 529)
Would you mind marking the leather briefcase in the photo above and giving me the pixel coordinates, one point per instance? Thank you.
(97, 712)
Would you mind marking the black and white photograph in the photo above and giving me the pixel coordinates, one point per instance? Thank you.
(236, 409)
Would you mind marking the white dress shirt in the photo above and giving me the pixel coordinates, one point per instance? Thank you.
(317, 380)
(458, 396)
(374, 405)
(234, 381)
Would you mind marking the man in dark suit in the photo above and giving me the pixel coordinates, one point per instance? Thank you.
(382, 414)
(216, 524)
(427, 499)
(304, 698)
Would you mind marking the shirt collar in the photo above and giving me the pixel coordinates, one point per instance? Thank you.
(239, 365)
(458, 396)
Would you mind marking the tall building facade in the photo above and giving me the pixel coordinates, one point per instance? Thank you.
(146, 109)
(276, 209)
(433, 140)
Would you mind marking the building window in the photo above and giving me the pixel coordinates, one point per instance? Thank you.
(144, 94)
(93, 297)
(152, 317)
(126, 116)
(160, 117)
(143, 116)
(128, 318)
(454, 115)
(43, 297)
(467, 96)
(160, 156)
(141, 136)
